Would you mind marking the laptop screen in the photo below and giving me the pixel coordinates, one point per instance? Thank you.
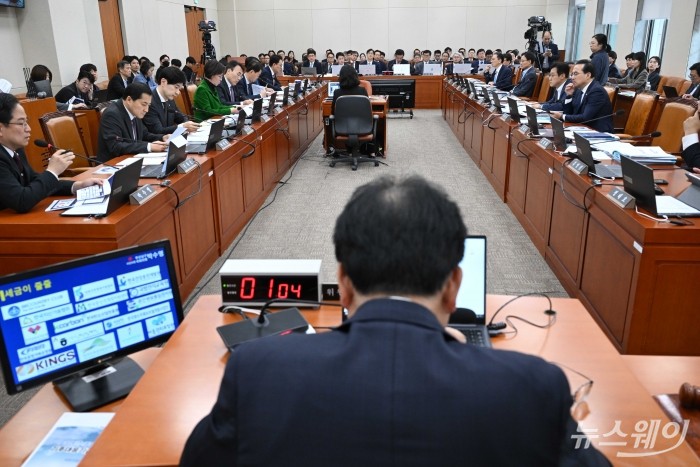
(472, 292)
(332, 86)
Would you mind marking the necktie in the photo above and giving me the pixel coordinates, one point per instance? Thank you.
(133, 128)
(233, 94)
(495, 76)
(250, 89)
(19, 165)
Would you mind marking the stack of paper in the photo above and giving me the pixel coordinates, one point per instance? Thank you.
(641, 154)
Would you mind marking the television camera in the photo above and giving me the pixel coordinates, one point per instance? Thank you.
(207, 27)
(535, 24)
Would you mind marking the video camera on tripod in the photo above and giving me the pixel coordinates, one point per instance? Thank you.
(536, 23)
(207, 27)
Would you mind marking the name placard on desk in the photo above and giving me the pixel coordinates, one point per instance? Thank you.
(621, 198)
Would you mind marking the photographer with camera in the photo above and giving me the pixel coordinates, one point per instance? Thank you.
(547, 52)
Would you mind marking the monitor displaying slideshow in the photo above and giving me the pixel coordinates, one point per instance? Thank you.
(67, 317)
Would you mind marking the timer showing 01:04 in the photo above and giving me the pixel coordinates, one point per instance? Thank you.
(267, 287)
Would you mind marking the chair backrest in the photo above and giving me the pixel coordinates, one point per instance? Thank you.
(641, 114)
(353, 115)
(61, 130)
(612, 94)
(671, 126)
(538, 84)
(191, 89)
(516, 75)
(367, 85)
(545, 89)
(681, 84)
(182, 102)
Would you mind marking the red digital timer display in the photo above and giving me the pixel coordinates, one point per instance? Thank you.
(258, 289)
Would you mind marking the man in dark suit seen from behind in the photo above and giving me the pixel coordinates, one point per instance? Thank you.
(586, 100)
(163, 116)
(398, 60)
(691, 144)
(498, 74)
(349, 84)
(558, 77)
(528, 76)
(270, 72)
(21, 188)
(392, 384)
(244, 88)
(119, 82)
(311, 61)
(121, 129)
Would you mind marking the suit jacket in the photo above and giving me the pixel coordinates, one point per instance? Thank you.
(556, 102)
(389, 387)
(115, 137)
(266, 79)
(23, 193)
(65, 94)
(691, 155)
(601, 65)
(242, 91)
(115, 88)
(163, 117)
(419, 68)
(526, 86)
(694, 90)
(476, 65)
(504, 79)
(553, 59)
(595, 103)
(316, 64)
(614, 72)
(378, 66)
(391, 63)
(224, 93)
(288, 68)
(189, 73)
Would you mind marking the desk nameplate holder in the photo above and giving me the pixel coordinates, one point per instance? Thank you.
(524, 129)
(578, 167)
(142, 195)
(222, 145)
(187, 166)
(265, 118)
(621, 198)
(545, 143)
(247, 130)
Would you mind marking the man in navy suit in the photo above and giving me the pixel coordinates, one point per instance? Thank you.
(119, 82)
(691, 143)
(558, 79)
(244, 88)
(312, 62)
(121, 129)
(586, 100)
(419, 68)
(392, 385)
(163, 116)
(378, 66)
(269, 74)
(227, 88)
(694, 89)
(498, 74)
(528, 77)
(479, 61)
(21, 188)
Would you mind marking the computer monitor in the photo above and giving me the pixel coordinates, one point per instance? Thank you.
(257, 110)
(69, 322)
(332, 87)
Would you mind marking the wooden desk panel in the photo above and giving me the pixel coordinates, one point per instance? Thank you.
(152, 425)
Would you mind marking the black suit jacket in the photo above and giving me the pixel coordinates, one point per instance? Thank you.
(594, 104)
(691, 155)
(65, 94)
(163, 117)
(115, 137)
(23, 193)
(242, 91)
(318, 65)
(556, 102)
(553, 59)
(391, 63)
(526, 86)
(389, 387)
(115, 88)
(694, 90)
(504, 80)
(266, 79)
(476, 64)
(225, 93)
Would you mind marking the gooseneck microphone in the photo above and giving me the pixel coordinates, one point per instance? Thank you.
(653, 134)
(43, 144)
(614, 114)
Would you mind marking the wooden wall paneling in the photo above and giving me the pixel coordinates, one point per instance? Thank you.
(193, 16)
(111, 34)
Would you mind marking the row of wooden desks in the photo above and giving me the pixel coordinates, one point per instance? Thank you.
(221, 197)
(182, 381)
(634, 275)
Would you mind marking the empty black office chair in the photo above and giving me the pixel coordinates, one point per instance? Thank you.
(353, 123)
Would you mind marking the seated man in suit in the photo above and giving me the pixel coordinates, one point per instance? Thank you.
(528, 77)
(586, 100)
(121, 129)
(21, 188)
(312, 62)
(92, 69)
(244, 88)
(694, 89)
(227, 88)
(378, 66)
(398, 59)
(328, 63)
(77, 94)
(188, 69)
(691, 146)
(419, 67)
(119, 82)
(497, 74)
(163, 116)
(547, 52)
(269, 74)
(399, 385)
(558, 79)
(479, 61)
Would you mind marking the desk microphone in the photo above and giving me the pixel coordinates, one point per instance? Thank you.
(43, 144)
(653, 134)
(614, 114)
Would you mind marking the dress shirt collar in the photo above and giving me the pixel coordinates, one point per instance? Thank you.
(585, 90)
(561, 86)
(10, 152)
(131, 116)
(162, 99)
(228, 83)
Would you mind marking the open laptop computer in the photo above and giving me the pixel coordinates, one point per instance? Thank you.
(472, 292)
(123, 182)
(172, 159)
(335, 69)
(638, 180)
(558, 135)
(236, 129)
(285, 96)
(535, 126)
(309, 71)
(585, 155)
(514, 112)
(100, 96)
(256, 113)
(670, 91)
(332, 86)
(271, 104)
(215, 132)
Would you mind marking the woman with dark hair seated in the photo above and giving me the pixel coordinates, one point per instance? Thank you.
(146, 75)
(349, 84)
(636, 77)
(654, 68)
(207, 103)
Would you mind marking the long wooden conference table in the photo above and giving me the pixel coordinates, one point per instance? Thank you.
(637, 277)
(224, 193)
(182, 381)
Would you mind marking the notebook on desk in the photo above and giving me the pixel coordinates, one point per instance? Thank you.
(585, 155)
(199, 146)
(176, 154)
(472, 293)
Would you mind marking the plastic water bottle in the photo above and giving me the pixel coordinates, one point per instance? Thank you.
(647, 87)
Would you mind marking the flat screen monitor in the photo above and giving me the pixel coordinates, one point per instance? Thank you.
(70, 322)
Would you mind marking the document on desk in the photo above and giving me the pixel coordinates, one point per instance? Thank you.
(69, 440)
(257, 89)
